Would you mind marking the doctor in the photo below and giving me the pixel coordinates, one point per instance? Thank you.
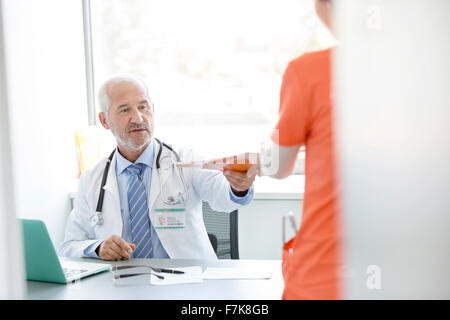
(137, 219)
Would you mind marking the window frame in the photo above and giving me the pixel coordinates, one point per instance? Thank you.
(89, 62)
(90, 78)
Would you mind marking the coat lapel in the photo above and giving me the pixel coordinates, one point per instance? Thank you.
(111, 180)
(113, 223)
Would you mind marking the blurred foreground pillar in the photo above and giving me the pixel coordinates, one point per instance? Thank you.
(392, 98)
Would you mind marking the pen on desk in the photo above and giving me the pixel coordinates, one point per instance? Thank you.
(170, 271)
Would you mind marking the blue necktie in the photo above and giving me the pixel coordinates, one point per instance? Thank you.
(139, 219)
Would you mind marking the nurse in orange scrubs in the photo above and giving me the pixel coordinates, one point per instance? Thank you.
(310, 270)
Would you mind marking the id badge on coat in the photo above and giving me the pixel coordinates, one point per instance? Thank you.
(170, 218)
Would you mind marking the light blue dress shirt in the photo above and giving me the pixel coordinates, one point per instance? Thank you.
(145, 158)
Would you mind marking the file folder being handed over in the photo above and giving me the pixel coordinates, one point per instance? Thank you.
(241, 162)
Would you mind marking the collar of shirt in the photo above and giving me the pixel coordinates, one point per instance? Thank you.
(145, 158)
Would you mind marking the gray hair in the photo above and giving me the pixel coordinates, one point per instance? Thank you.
(103, 98)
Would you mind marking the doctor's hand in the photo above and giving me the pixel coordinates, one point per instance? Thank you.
(115, 248)
(241, 181)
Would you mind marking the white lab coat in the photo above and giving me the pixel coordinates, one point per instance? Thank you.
(191, 242)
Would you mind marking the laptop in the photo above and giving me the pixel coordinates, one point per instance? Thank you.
(43, 264)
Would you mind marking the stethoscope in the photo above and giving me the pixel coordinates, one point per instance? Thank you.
(97, 218)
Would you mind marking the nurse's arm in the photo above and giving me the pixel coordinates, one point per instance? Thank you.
(278, 161)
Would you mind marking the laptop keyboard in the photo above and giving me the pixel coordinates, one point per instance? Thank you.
(72, 272)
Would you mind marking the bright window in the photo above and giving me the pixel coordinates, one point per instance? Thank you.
(213, 68)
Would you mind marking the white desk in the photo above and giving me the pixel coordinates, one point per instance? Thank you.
(101, 286)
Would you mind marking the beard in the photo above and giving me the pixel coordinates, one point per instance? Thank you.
(125, 140)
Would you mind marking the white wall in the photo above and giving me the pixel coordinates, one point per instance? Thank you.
(393, 119)
(11, 263)
(47, 98)
(260, 227)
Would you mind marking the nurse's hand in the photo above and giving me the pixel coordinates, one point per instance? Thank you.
(241, 181)
(115, 248)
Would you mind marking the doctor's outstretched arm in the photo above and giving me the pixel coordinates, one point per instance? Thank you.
(240, 181)
(223, 191)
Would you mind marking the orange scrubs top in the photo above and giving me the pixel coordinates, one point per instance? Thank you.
(305, 117)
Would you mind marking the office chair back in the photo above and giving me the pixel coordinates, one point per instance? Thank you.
(222, 230)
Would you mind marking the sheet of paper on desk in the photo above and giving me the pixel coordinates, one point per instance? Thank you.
(238, 273)
(191, 275)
